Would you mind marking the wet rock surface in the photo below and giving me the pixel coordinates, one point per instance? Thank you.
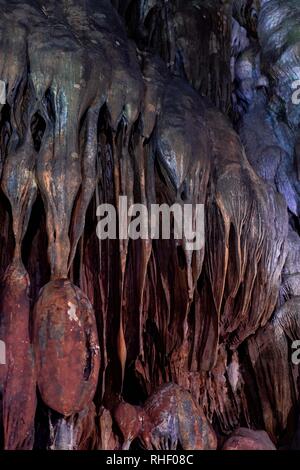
(246, 439)
(169, 418)
(185, 102)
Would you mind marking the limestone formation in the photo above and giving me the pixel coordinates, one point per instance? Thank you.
(164, 102)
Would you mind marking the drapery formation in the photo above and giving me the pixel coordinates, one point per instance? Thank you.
(162, 102)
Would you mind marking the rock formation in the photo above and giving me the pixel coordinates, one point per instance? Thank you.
(169, 418)
(164, 102)
(246, 439)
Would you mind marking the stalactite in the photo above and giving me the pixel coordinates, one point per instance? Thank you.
(183, 102)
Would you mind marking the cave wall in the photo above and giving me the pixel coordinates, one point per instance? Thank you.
(164, 102)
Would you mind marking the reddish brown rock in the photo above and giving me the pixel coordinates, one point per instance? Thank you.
(168, 418)
(77, 432)
(66, 347)
(107, 439)
(247, 439)
(17, 376)
(98, 104)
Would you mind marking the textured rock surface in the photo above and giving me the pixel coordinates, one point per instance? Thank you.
(246, 439)
(170, 417)
(164, 102)
(66, 348)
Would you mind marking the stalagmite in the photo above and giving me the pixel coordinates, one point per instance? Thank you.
(18, 380)
(169, 416)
